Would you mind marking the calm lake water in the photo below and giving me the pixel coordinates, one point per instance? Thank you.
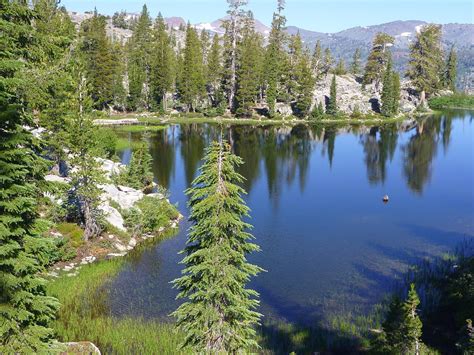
(329, 243)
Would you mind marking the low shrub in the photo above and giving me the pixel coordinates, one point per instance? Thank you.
(150, 214)
(452, 101)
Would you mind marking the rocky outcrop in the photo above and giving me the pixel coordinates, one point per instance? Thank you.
(351, 95)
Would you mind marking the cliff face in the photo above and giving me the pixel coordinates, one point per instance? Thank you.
(351, 95)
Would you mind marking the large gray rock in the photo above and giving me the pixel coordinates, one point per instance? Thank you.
(125, 197)
(112, 216)
(110, 167)
(56, 178)
(283, 109)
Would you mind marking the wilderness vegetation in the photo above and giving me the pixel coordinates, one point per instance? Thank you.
(60, 79)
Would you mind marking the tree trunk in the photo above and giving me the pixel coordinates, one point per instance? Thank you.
(92, 228)
(423, 98)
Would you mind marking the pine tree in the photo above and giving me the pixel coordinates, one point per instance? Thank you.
(392, 327)
(328, 62)
(396, 93)
(25, 309)
(139, 174)
(356, 64)
(426, 61)
(233, 27)
(119, 95)
(98, 56)
(275, 57)
(219, 312)
(402, 327)
(340, 68)
(317, 61)
(450, 73)
(318, 111)
(161, 71)
(387, 96)
(331, 108)
(87, 174)
(377, 61)
(50, 84)
(192, 81)
(248, 59)
(214, 72)
(411, 323)
(303, 83)
(139, 62)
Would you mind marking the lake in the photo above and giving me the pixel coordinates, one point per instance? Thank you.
(329, 244)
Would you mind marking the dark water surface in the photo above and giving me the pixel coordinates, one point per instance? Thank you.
(328, 242)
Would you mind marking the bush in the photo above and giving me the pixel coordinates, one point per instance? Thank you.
(106, 142)
(72, 232)
(150, 214)
(453, 101)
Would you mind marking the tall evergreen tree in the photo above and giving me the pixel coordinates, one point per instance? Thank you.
(328, 61)
(248, 59)
(25, 309)
(301, 80)
(412, 326)
(192, 81)
(377, 61)
(139, 173)
(98, 57)
(396, 92)
(161, 71)
(87, 174)
(219, 314)
(233, 27)
(340, 68)
(331, 108)
(317, 61)
(450, 72)
(139, 62)
(426, 61)
(356, 66)
(387, 97)
(402, 327)
(214, 72)
(275, 57)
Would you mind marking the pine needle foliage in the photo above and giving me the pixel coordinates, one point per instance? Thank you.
(331, 108)
(25, 309)
(219, 312)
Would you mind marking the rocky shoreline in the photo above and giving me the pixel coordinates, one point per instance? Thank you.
(116, 243)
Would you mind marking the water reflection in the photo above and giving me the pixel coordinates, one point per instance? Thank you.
(328, 242)
(379, 147)
(284, 153)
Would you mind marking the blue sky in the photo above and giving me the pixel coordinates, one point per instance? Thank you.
(317, 15)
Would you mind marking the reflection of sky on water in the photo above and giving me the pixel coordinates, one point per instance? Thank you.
(328, 242)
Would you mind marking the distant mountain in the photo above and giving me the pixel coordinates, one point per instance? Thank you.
(216, 27)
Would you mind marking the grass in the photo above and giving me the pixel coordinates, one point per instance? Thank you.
(125, 143)
(83, 315)
(72, 232)
(139, 128)
(462, 101)
(363, 119)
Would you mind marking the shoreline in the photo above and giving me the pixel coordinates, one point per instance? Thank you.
(155, 120)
